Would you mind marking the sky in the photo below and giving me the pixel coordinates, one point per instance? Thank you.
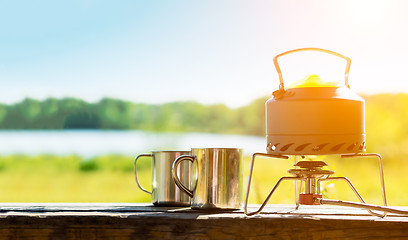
(214, 51)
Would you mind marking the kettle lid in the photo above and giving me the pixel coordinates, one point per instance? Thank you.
(313, 80)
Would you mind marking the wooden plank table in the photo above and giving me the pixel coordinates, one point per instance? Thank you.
(143, 221)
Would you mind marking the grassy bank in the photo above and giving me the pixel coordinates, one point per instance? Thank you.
(49, 178)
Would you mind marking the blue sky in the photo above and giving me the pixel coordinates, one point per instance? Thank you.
(206, 51)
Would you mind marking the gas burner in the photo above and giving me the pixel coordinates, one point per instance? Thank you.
(310, 172)
(310, 169)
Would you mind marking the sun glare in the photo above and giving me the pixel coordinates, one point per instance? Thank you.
(368, 13)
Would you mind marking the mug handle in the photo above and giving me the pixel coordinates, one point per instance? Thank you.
(134, 165)
(176, 178)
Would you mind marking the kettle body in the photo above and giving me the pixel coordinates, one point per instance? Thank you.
(315, 121)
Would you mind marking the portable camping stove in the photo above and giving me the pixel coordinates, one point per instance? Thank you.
(311, 174)
(335, 124)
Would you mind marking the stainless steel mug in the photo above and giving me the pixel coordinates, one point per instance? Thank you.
(164, 191)
(218, 178)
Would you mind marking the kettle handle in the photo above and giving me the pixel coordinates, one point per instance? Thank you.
(275, 61)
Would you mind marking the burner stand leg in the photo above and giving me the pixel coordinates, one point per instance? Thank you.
(355, 192)
(269, 195)
(380, 164)
(250, 179)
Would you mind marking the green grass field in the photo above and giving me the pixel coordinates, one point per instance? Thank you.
(50, 178)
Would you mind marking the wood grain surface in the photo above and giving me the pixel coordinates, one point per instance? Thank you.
(142, 221)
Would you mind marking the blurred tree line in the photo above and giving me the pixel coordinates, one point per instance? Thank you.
(71, 113)
(386, 118)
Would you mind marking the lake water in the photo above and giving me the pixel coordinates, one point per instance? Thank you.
(88, 143)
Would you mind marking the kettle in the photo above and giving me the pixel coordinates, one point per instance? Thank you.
(313, 117)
